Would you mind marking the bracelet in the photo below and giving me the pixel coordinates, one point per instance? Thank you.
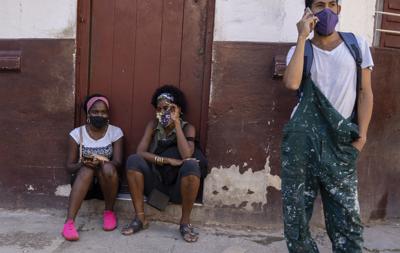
(159, 160)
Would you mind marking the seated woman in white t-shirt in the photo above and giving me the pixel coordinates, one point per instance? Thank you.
(95, 151)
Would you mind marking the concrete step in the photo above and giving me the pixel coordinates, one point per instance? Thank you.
(201, 215)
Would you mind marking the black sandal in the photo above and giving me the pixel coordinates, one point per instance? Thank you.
(135, 226)
(188, 233)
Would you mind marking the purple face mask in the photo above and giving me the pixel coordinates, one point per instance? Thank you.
(164, 118)
(327, 22)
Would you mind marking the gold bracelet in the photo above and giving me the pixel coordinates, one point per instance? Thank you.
(159, 160)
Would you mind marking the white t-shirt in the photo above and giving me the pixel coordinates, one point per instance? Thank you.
(335, 74)
(102, 146)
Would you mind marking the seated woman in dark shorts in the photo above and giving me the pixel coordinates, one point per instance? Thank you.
(164, 162)
(95, 153)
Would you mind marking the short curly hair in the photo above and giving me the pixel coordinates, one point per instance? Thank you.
(179, 97)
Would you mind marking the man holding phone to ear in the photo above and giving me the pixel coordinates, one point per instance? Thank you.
(327, 130)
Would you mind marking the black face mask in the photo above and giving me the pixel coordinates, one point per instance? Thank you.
(98, 121)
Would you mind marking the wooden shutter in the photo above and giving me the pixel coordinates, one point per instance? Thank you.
(391, 40)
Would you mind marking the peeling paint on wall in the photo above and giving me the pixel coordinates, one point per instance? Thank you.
(63, 190)
(29, 187)
(226, 186)
(272, 180)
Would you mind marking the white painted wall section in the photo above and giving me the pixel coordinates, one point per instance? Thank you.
(256, 20)
(38, 19)
(275, 20)
(358, 16)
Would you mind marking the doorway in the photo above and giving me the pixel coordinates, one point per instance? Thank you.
(128, 48)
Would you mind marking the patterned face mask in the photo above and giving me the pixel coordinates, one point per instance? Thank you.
(164, 117)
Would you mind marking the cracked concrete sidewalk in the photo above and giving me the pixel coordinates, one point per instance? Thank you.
(39, 231)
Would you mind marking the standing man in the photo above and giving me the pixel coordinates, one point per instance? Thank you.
(327, 130)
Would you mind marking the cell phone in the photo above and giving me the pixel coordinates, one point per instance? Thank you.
(100, 158)
(88, 159)
(309, 11)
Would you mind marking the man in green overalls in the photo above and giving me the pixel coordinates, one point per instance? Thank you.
(321, 142)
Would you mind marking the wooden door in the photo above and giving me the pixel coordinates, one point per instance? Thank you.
(391, 40)
(128, 48)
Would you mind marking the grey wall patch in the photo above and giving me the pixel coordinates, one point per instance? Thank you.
(249, 187)
(29, 187)
(63, 190)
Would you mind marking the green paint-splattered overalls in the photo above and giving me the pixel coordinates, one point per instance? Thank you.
(317, 155)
